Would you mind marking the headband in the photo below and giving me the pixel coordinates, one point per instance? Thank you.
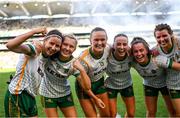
(53, 35)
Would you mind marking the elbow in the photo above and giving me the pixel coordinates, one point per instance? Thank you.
(8, 46)
(87, 90)
(86, 87)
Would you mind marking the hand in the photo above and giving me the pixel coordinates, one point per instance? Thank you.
(154, 52)
(162, 61)
(99, 103)
(77, 65)
(41, 30)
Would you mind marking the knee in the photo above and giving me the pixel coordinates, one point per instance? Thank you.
(91, 115)
(177, 113)
(151, 113)
(113, 113)
(130, 114)
(105, 114)
(172, 113)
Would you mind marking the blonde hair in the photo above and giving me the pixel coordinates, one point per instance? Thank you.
(71, 36)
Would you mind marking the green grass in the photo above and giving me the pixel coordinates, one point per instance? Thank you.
(138, 90)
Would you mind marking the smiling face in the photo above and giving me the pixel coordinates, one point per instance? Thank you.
(164, 39)
(51, 45)
(98, 42)
(120, 46)
(68, 47)
(140, 53)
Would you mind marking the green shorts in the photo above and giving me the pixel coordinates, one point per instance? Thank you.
(96, 87)
(126, 92)
(151, 91)
(174, 93)
(60, 102)
(21, 105)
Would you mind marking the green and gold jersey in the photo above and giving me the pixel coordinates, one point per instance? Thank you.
(95, 67)
(28, 75)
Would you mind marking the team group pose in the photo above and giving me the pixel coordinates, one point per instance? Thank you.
(101, 71)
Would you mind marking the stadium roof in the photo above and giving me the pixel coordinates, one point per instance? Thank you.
(114, 15)
(134, 17)
(34, 9)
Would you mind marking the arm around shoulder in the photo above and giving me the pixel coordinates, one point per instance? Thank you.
(175, 66)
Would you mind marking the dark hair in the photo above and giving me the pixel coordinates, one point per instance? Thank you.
(96, 29)
(161, 27)
(137, 40)
(119, 35)
(54, 32)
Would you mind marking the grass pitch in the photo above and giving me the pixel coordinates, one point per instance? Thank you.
(138, 91)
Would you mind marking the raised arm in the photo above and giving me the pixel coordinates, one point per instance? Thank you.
(16, 44)
(85, 83)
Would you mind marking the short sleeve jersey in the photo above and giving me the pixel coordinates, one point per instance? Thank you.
(173, 76)
(27, 76)
(118, 72)
(95, 68)
(55, 82)
(152, 75)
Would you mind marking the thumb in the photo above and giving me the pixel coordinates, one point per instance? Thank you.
(101, 104)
